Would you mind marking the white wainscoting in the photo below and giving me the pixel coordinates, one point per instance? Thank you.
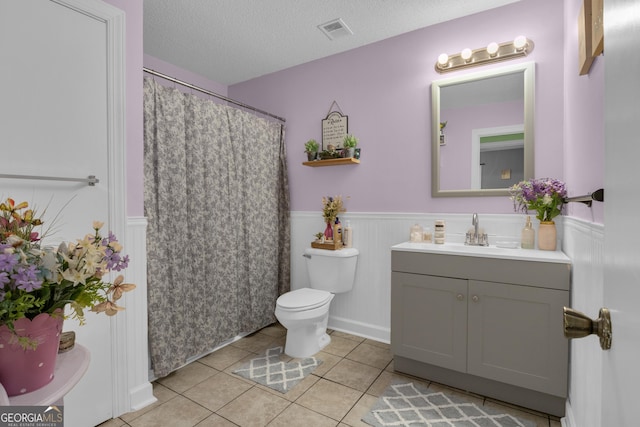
(132, 389)
(584, 244)
(365, 311)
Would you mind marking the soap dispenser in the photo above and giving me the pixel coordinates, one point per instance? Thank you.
(528, 236)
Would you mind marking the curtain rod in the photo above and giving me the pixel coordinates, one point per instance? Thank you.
(208, 92)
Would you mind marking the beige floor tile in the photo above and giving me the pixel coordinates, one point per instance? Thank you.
(296, 415)
(378, 343)
(256, 408)
(353, 374)
(215, 420)
(340, 346)
(378, 357)
(177, 412)
(161, 393)
(347, 336)
(115, 422)
(381, 383)
(185, 378)
(224, 357)
(256, 343)
(330, 399)
(364, 405)
(389, 367)
(275, 330)
(217, 391)
(328, 361)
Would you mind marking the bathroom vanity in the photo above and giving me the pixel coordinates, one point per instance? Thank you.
(483, 319)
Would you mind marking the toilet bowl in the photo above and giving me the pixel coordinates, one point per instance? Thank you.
(305, 312)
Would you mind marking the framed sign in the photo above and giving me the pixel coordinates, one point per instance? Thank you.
(334, 128)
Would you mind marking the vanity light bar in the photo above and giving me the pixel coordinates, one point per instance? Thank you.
(494, 52)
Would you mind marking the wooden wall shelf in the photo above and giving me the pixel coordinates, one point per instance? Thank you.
(333, 162)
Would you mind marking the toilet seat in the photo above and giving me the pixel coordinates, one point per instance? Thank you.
(303, 299)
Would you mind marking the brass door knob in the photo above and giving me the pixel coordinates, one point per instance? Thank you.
(578, 325)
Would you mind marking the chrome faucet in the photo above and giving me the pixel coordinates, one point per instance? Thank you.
(475, 238)
(475, 223)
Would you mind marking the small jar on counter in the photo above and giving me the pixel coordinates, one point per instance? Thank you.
(438, 235)
(427, 234)
(415, 233)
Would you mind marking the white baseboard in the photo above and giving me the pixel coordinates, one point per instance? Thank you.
(141, 396)
(360, 329)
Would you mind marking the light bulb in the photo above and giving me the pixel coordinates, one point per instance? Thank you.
(443, 59)
(492, 49)
(520, 42)
(466, 54)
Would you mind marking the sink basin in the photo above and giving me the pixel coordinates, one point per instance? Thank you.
(491, 251)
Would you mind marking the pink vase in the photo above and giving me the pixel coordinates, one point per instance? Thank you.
(328, 232)
(547, 236)
(25, 370)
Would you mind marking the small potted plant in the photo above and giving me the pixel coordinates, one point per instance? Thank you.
(311, 148)
(349, 143)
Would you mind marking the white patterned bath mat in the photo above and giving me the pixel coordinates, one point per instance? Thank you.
(408, 404)
(270, 371)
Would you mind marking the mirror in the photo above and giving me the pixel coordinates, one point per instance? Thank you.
(482, 132)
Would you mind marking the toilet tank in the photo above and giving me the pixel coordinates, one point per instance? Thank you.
(332, 271)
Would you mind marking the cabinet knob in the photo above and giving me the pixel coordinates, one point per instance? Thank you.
(578, 325)
(459, 297)
(475, 298)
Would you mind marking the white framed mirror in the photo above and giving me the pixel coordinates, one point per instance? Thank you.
(482, 131)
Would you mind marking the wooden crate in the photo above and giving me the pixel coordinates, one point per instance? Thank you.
(332, 246)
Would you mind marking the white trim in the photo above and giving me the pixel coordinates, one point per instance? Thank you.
(135, 332)
(476, 134)
(114, 20)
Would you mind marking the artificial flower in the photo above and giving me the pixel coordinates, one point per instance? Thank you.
(546, 196)
(38, 279)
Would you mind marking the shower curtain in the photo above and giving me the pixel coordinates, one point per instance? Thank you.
(217, 202)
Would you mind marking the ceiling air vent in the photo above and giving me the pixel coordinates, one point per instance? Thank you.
(335, 29)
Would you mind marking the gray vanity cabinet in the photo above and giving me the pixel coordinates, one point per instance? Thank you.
(488, 325)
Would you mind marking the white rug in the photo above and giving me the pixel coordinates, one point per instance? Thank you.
(270, 371)
(408, 404)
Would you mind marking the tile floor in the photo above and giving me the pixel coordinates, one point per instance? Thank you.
(353, 374)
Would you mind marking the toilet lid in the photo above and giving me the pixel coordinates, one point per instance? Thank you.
(303, 299)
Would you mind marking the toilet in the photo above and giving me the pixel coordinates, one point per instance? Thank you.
(305, 312)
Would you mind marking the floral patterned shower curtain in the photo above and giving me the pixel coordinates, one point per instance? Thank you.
(217, 201)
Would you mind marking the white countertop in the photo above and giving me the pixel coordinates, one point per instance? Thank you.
(484, 251)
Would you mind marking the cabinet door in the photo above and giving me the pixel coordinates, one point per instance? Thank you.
(429, 319)
(516, 336)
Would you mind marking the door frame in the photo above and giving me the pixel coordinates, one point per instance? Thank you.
(114, 21)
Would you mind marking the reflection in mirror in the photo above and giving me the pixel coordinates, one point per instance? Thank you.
(482, 124)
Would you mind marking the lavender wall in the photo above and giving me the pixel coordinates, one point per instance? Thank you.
(384, 88)
(584, 122)
(187, 76)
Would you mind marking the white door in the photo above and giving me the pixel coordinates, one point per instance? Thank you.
(621, 370)
(53, 122)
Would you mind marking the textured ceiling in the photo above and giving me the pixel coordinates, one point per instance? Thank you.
(231, 41)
